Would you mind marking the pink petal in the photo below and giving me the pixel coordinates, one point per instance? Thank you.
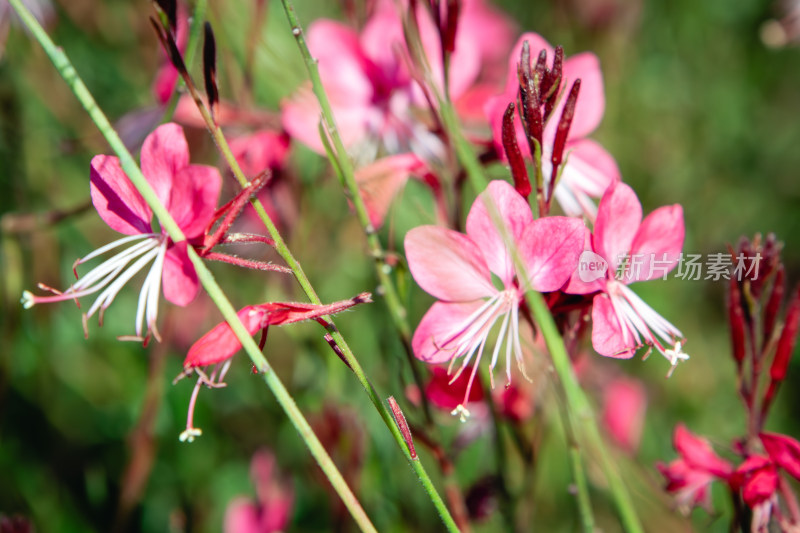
(440, 324)
(550, 248)
(698, 453)
(179, 278)
(784, 450)
(164, 84)
(300, 117)
(262, 150)
(597, 168)
(343, 67)
(194, 198)
(380, 39)
(607, 337)
(576, 285)
(658, 243)
(623, 412)
(445, 395)
(117, 201)
(495, 28)
(220, 343)
(381, 180)
(591, 100)
(447, 265)
(164, 154)
(513, 211)
(618, 218)
(242, 516)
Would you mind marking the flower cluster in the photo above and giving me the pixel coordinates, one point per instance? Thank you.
(762, 350)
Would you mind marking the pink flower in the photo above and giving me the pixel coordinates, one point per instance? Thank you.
(630, 249)
(624, 408)
(372, 93)
(381, 112)
(189, 192)
(590, 169)
(220, 344)
(459, 269)
(690, 476)
(274, 501)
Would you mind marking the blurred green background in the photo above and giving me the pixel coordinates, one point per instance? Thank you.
(699, 112)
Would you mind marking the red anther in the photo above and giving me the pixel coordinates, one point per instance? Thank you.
(402, 425)
(563, 130)
(518, 170)
(783, 354)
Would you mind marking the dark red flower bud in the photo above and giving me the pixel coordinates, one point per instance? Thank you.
(736, 320)
(518, 171)
(773, 305)
(783, 354)
(210, 69)
(563, 129)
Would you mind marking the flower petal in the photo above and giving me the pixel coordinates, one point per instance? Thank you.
(550, 248)
(591, 101)
(618, 218)
(179, 279)
(117, 201)
(194, 198)
(607, 337)
(657, 247)
(698, 453)
(343, 67)
(447, 264)
(164, 153)
(221, 343)
(784, 450)
(441, 324)
(381, 180)
(513, 211)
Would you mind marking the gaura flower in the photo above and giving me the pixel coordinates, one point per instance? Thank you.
(375, 100)
(589, 169)
(631, 249)
(382, 114)
(189, 192)
(476, 280)
(690, 476)
(219, 345)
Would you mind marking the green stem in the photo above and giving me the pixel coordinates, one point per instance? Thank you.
(67, 71)
(577, 403)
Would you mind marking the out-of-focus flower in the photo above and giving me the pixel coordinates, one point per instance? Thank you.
(589, 169)
(624, 407)
(380, 109)
(167, 75)
(460, 271)
(624, 249)
(272, 508)
(189, 192)
(690, 476)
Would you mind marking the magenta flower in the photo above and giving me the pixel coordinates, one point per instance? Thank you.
(690, 476)
(458, 269)
(590, 169)
(189, 192)
(630, 249)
